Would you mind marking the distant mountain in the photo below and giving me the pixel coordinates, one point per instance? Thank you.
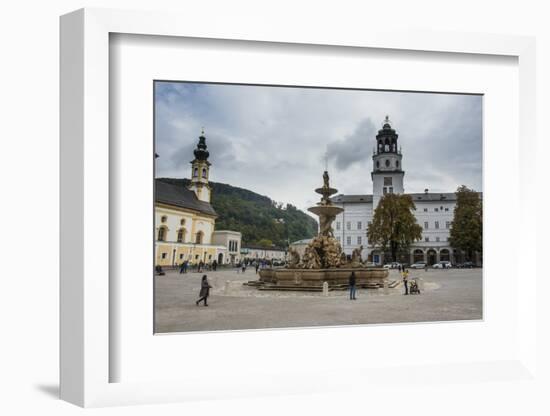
(261, 221)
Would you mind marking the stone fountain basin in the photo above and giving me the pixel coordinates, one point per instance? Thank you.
(316, 277)
(326, 210)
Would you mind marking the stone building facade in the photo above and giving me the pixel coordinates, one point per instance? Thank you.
(434, 211)
(185, 220)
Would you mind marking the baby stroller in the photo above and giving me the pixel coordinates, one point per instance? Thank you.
(414, 288)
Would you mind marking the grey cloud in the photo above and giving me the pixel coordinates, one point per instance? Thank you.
(355, 148)
(272, 140)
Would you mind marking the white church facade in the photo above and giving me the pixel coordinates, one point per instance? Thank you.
(434, 211)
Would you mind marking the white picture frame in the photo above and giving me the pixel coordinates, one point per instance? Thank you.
(86, 291)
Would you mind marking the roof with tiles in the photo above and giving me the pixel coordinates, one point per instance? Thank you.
(180, 197)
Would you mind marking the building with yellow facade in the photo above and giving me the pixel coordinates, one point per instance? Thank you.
(185, 220)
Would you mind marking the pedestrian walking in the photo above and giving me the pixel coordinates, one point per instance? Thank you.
(352, 282)
(257, 267)
(406, 281)
(214, 265)
(182, 267)
(205, 291)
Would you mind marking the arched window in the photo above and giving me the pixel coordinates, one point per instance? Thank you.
(164, 218)
(182, 221)
(204, 172)
(161, 234)
(387, 163)
(377, 163)
(397, 163)
(195, 172)
(198, 238)
(181, 235)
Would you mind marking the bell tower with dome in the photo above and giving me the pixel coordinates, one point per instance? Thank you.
(200, 171)
(387, 173)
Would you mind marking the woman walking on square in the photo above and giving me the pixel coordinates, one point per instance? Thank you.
(205, 291)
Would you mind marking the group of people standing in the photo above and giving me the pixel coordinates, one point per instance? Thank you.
(200, 266)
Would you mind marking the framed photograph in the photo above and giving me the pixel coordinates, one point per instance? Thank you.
(239, 212)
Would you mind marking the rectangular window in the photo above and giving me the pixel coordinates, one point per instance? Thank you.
(391, 190)
(338, 238)
(448, 224)
(437, 239)
(425, 225)
(163, 255)
(359, 240)
(437, 224)
(436, 209)
(337, 225)
(359, 225)
(348, 241)
(446, 209)
(348, 225)
(385, 190)
(427, 239)
(425, 209)
(181, 256)
(388, 181)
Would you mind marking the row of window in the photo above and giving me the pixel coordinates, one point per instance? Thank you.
(348, 240)
(387, 163)
(436, 225)
(164, 218)
(190, 256)
(348, 225)
(360, 225)
(233, 245)
(360, 240)
(161, 236)
(442, 209)
(437, 239)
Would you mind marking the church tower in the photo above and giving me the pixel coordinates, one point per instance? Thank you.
(200, 170)
(387, 173)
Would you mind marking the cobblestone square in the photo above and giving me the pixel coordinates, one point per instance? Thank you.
(448, 295)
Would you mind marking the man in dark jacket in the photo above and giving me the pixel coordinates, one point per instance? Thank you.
(351, 283)
(205, 291)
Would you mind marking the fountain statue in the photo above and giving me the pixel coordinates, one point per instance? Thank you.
(323, 259)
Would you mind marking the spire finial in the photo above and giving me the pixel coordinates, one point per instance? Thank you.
(202, 130)
(326, 161)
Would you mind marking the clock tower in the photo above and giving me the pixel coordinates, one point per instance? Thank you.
(387, 173)
(200, 170)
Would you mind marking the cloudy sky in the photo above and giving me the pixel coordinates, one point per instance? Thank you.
(272, 140)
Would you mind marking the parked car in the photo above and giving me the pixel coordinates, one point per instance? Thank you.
(442, 265)
(418, 265)
(466, 265)
(392, 265)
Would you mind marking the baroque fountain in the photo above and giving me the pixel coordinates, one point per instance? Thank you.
(323, 259)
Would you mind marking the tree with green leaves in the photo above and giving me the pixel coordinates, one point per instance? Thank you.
(264, 242)
(394, 225)
(467, 226)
